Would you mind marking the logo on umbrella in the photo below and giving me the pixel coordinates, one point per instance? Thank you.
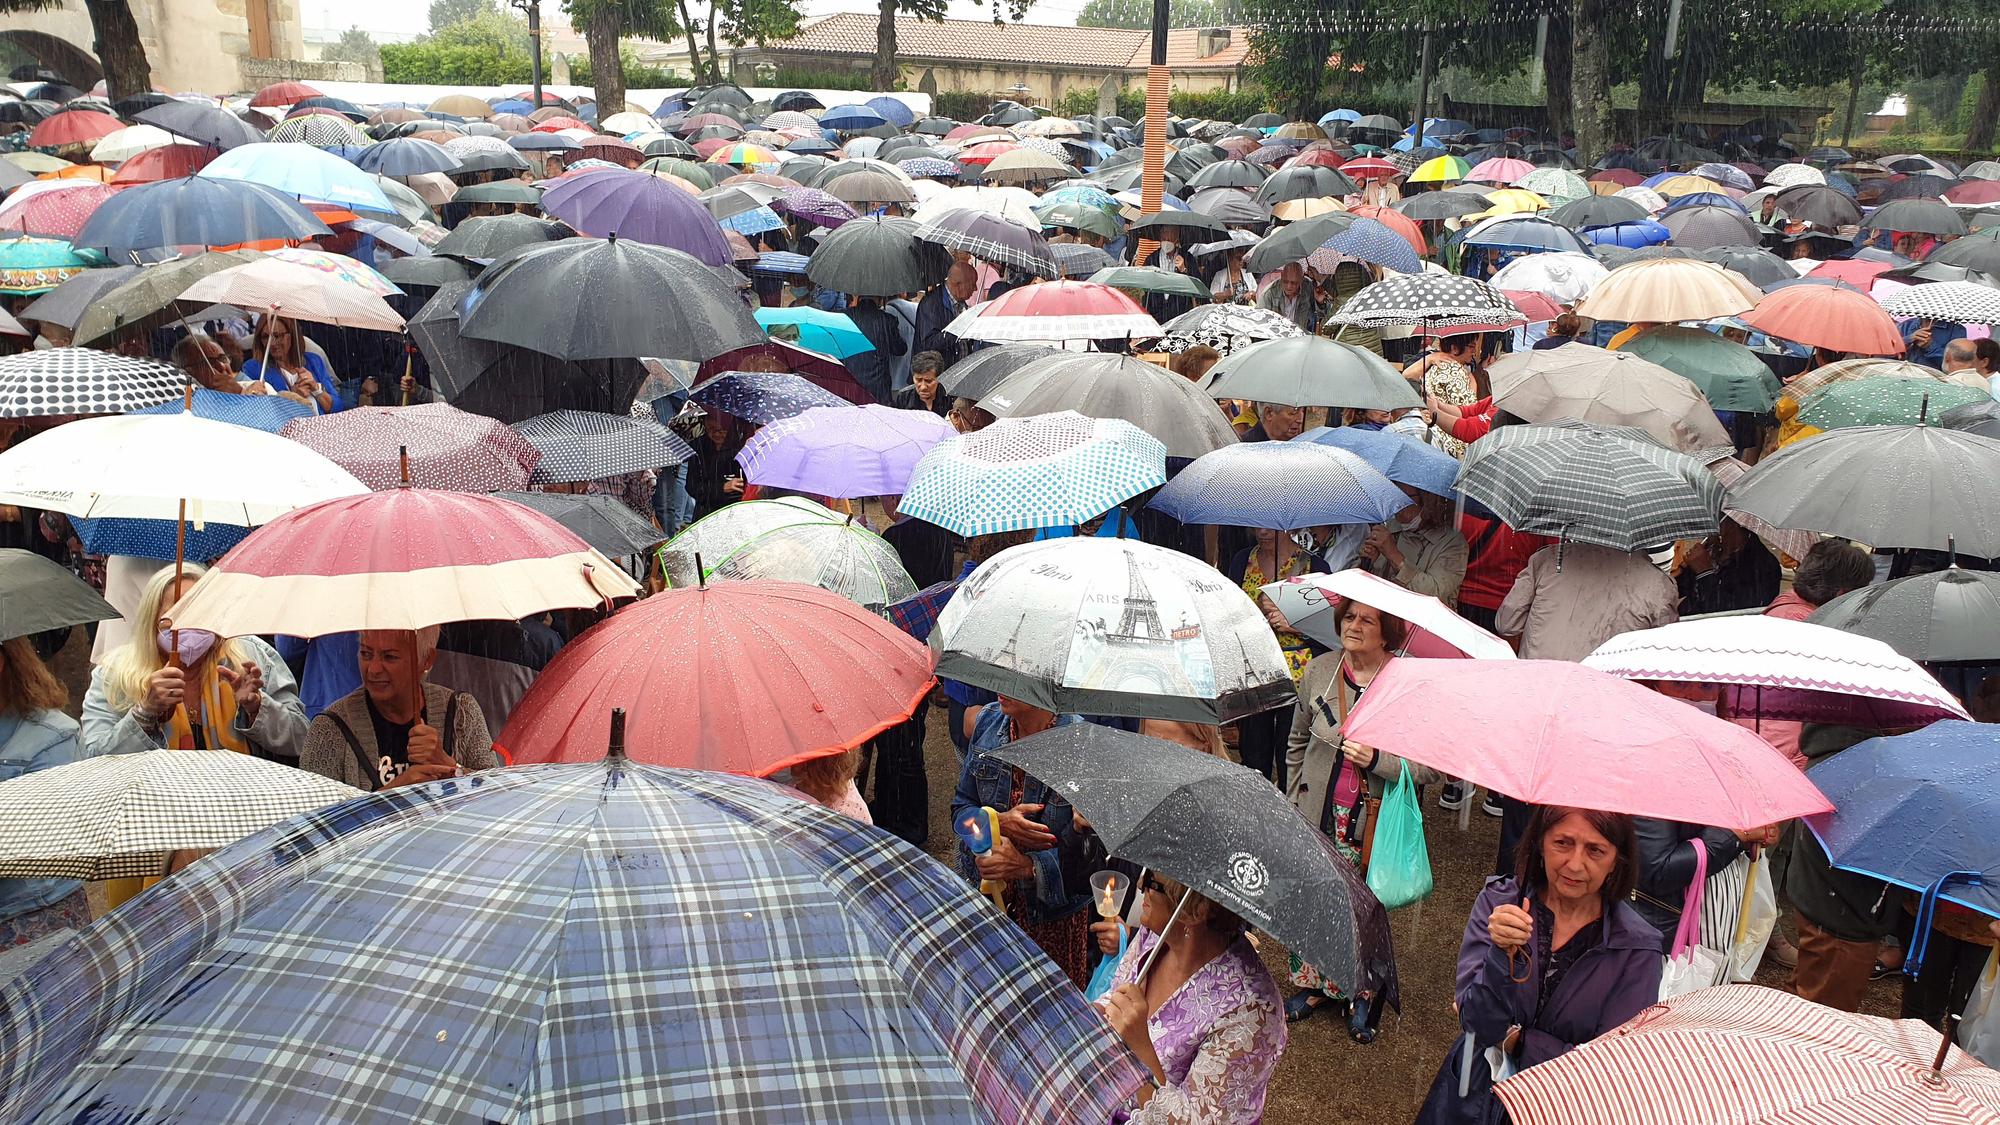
(1247, 872)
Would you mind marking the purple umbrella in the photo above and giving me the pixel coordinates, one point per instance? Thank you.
(762, 397)
(639, 207)
(842, 451)
(814, 204)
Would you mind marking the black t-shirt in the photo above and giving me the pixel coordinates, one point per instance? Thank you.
(392, 745)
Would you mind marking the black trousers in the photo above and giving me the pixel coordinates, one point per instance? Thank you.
(901, 803)
(1946, 979)
(1261, 740)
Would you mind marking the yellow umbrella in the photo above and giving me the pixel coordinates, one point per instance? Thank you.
(1514, 201)
(35, 162)
(1292, 210)
(1685, 185)
(1440, 170)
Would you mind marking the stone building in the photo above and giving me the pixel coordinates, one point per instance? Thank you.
(200, 46)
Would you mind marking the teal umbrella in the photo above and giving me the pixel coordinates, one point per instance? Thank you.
(33, 266)
(1080, 216)
(825, 332)
(1729, 374)
(1883, 402)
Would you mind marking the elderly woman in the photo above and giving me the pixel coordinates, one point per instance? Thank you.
(1420, 550)
(35, 735)
(396, 729)
(1205, 1020)
(1552, 958)
(1329, 772)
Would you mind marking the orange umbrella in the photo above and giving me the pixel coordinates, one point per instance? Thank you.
(1833, 317)
(1397, 221)
(96, 173)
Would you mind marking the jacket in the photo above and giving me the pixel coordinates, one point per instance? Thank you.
(1782, 734)
(1060, 885)
(329, 754)
(1564, 612)
(936, 310)
(277, 734)
(1615, 980)
(1495, 556)
(1846, 905)
(1433, 562)
(1312, 752)
(1749, 578)
(1305, 310)
(874, 370)
(1666, 866)
(37, 741)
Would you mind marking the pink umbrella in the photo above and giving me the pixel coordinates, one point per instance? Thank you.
(1549, 732)
(58, 210)
(431, 446)
(1499, 170)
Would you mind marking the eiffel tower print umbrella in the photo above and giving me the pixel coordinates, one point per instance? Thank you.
(1112, 627)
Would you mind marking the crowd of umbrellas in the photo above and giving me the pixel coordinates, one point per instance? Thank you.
(468, 949)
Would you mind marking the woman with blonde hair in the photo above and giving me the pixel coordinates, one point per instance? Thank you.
(35, 735)
(829, 781)
(281, 361)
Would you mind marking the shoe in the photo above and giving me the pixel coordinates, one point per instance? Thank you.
(1492, 806)
(1358, 1027)
(1452, 796)
(1302, 1006)
(1883, 972)
(1782, 952)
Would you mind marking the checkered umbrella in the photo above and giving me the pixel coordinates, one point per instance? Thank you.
(582, 445)
(1612, 486)
(524, 919)
(445, 447)
(762, 397)
(124, 814)
(992, 238)
(1432, 300)
(1280, 484)
(63, 381)
(1050, 470)
(1963, 302)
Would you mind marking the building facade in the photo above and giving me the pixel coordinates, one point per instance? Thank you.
(198, 46)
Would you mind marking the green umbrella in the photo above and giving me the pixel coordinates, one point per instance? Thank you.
(1079, 216)
(700, 175)
(36, 595)
(1729, 374)
(33, 266)
(1883, 402)
(153, 290)
(499, 191)
(1151, 279)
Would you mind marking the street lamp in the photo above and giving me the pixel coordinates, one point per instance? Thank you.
(533, 8)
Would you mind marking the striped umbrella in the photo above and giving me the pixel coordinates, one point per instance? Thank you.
(319, 130)
(1612, 486)
(1049, 470)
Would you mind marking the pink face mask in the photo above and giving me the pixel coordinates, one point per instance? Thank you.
(191, 645)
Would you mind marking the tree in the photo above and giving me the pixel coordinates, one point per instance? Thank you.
(445, 13)
(604, 22)
(118, 49)
(884, 73)
(355, 46)
(1138, 14)
(1590, 80)
(1979, 125)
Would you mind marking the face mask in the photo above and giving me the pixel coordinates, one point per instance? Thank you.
(194, 644)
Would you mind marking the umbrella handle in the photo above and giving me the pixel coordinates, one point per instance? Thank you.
(1153, 954)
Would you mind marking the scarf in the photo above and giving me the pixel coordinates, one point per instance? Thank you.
(217, 699)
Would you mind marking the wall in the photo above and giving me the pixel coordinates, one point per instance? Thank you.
(1046, 84)
(194, 45)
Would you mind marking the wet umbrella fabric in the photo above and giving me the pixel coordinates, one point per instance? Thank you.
(877, 258)
(37, 595)
(439, 445)
(611, 528)
(722, 532)
(1049, 470)
(508, 382)
(637, 207)
(1224, 832)
(581, 445)
(977, 374)
(842, 451)
(1859, 483)
(1946, 616)
(1310, 371)
(1402, 459)
(1102, 385)
(491, 236)
(70, 381)
(1283, 485)
(196, 211)
(762, 397)
(838, 557)
(1615, 487)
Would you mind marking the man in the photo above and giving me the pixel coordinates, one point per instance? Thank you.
(1277, 422)
(206, 363)
(923, 393)
(874, 369)
(1927, 340)
(940, 307)
(1960, 355)
(1572, 597)
(1292, 298)
(381, 736)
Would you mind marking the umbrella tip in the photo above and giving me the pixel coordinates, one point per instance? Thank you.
(1924, 411)
(615, 751)
(700, 573)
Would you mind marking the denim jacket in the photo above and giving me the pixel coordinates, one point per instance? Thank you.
(29, 743)
(986, 780)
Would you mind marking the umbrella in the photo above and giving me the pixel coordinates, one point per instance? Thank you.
(506, 192)
(1309, 371)
(1564, 278)
(579, 445)
(1374, 241)
(1920, 216)
(302, 171)
(757, 723)
(406, 156)
(1705, 227)
(867, 188)
(66, 303)
(762, 397)
(1859, 483)
(1102, 385)
(1944, 616)
(1606, 388)
(71, 381)
(1819, 205)
(1056, 310)
(198, 212)
(1525, 233)
(296, 290)
(1433, 301)
(878, 258)
(123, 144)
(493, 235)
(842, 451)
(638, 207)
(1728, 374)
(1883, 402)
(151, 290)
(168, 162)
(1669, 289)
(431, 446)
(425, 272)
(1220, 830)
(37, 596)
(325, 131)
(1982, 418)
(1827, 316)
(991, 238)
(1295, 241)
(1760, 266)
(1961, 302)
(1309, 602)
(862, 920)
(1597, 211)
(603, 522)
(979, 372)
(1150, 279)
(838, 557)
(268, 413)
(1007, 202)
(1550, 732)
(32, 266)
(1613, 487)
(1051, 470)
(1226, 328)
(1035, 623)
(283, 94)
(484, 154)
(125, 815)
(724, 531)
(833, 333)
(73, 127)
(1746, 1053)
(1280, 484)
(1772, 668)
(1844, 370)
(1304, 181)
(54, 208)
(1402, 459)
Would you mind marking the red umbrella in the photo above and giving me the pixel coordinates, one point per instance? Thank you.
(557, 124)
(822, 371)
(613, 149)
(168, 162)
(1370, 168)
(705, 120)
(1396, 221)
(1623, 177)
(986, 153)
(1827, 316)
(711, 146)
(438, 446)
(1975, 192)
(1859, 273)
(1317, 157)
(57, 212)
(1534, 306)
(284, 93)
(739, 677)
(74, 127)
(401, 559)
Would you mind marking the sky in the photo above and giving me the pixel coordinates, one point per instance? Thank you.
(410, 17)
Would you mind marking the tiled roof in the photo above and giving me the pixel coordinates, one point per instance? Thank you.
(1078, 48)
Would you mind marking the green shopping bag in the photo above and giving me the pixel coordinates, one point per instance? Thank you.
(1399, 866)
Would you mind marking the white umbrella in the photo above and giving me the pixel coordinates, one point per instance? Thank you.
(1564, 278)
(298, 291)
(125, 814)
(130, 141)
(1007, 202)
(1436, 630)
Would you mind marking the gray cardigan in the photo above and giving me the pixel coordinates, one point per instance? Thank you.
(328, 754)
(1312, 754)
(277, 734)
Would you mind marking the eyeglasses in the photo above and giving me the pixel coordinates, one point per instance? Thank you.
(1154, 886)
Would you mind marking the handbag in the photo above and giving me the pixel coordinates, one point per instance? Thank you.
(1399, 869)
(1979, 1033)
(1755, 922)
(1690, 965)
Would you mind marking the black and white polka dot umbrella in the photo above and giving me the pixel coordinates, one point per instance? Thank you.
(83, 381)
(582, 445)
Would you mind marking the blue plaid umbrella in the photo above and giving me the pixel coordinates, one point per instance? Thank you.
(756, 220)
(605, 941)
(1373, 241)
(763, 397)
(1282, 485)
(1048, 470)
(1402, 459)
(781, 263)
(922, 167)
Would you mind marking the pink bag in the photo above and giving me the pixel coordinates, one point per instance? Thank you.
(1691, 965)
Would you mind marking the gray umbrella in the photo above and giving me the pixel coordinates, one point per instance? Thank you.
(1223, 831)
(985, 369)
(877, 258)
(1295, 241)
(1819, 205)
(1103, 385)
(37, 595)
(1944, 616)
(1310, 371)
(1231, 206)
(1449, 205)
(1978, 252)
(1229, 174)
(513, 383)
(195, 211)
(1305, 181)
(610, 298)
(1923, 216)
(66, 303)
(493, 235)
(1982, 418)
(1078, 260)
(1707, 226)
(1596, 211)
(601, 521)
(1613, 486)
(153, 290)
(1886, 486)
(1754, 262)
(200, 123)
(429, 270)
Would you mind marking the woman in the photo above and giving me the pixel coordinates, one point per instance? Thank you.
(1233, 283)
(1552, 958)
(1272, 558)
(1565, 329)
(1205, 1020)
(829, 781)
(1730, 570)
(280, 360)
(1039, 853)
(1447, 376)
(1328, 773)
(396, 729)
(35, 735)
(1421, 549)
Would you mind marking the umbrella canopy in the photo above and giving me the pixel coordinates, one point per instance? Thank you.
(168, 162)
(836, 556)
(1056, 310)
(298, 291)
(1859, 482)
(580, 445)
(762, 397)
(724, 531)
(491, 236)
(1729, 375)
(151, 290)
(1669, 289)
(124, 815)
(1435, 301)
(301, 171)
(1746, 1053)
(604, 522)
(202, 124)
(991, 238)
(1563, 277)
(1613, 487)
(1550, 732)
(1607, 388)
(1884, 402)
(1220, 830)
(1102, 385)
(878, 257)
(1944, 616)
(1280, 484)
(832, 333)
(33, 266)
(1804, 386)
(842, 451)
(1918, 216)
(1962, 302)
(1310, 603)
(1827, 316)
(1310, 371)
(37, 595)
(1528, 233)
(54, 208)
(1151, 279)
(431, 446)
(979, 372)
(863, 918)
(639, 207)
(1227, 328)
(1598, 211)
(1032, 623)
(196, 212)
(1049, 470)
(755, 724)
(1704, 227)
(70, 381)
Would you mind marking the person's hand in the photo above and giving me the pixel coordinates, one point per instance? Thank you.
(1371, 545)
(732, 486)
(248, 684)
(1005, 863)
(164, 691)
(306, 385)
(414, 774)
(1758, 837)
(1105, 930)
(1125, 1011)
(1922, 336)
(1699, 559)
(1512, 1041)
(1361, 756)
(1380, 544)
(427, 747)
(1027, 834)
(1272, 615)
(1509, 927)
(370, 387)
(407, 384)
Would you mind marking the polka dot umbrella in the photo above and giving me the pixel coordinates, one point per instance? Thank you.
(69, 381)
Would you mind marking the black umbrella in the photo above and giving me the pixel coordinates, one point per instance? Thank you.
(1225, 833)
(493, 235)
(934, 126)
(409, 156)
(1184, 223)
(1976, 252)
(1888, 486)
(1921, 216)
(878, 258)
(1948, 615)
(1127, 179)
(601, 521)
(37, 595)
(66, 303)
(513, 383)
(797, 100)
(1304, 181)
(195, 211)
(1376, 123)
(1709, 226)
(431, 270)
(202, 123)
(1595, 211)
(1759, 265)
(1294, 241)
(1229, 174)
(1920, 186)
(1445, 205)
(339, 105)
(14, 112)
(978, 373)
(609, 299)
(1819, 205)
(130, 108)
(1230, 206)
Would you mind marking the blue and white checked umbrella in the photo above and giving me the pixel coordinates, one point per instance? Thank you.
(923, 167)
(1402, 459)
(756, 220)
(1047, 470)
(605, 941)
(1282, 485)
(782, 263)
(763, 397)
(1373, 241)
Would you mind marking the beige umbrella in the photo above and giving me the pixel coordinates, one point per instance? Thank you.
(1608, 389)
(1840, 371)
(1292, 210)
(1048, 127)
(1669, 289)
(434, 188)
(1025, 165)
(462, 105)
(298, 291)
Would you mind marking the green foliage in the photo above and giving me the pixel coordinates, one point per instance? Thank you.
(444, 13)
(1218, 105)
(807, 78)
(503, 32)
(638, 76)
(355, 46)
(427, 62)
(1076, 103)
(963, 105)
(1138, 14)
(1968, 102)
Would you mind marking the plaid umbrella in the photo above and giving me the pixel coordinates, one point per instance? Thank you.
(1431, 300)
(830, 980)
(842, 451)
(1884, 402)
(1280, 484)
(444, 447)
(69, 381)
(1226, 328)
(1077, 261)
(1612, 486)
(1050, 470)
(578, 445)
(124, 814)
(992, 238)
(762, 397)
